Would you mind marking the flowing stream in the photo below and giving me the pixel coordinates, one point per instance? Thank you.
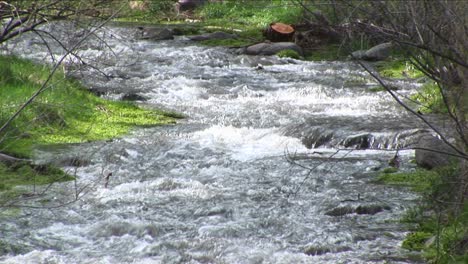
(249, 176)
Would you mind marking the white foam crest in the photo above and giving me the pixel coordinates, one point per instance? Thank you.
(159, 188)
(35, 257)
(247, 143)
(179, 88)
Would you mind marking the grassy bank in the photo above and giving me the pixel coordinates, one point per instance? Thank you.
(64, 113)
(245, 18)
(439, 234)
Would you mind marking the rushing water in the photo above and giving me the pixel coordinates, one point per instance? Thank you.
(218, 187)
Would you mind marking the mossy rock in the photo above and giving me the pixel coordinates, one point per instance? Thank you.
(416, 241)
(289, 54)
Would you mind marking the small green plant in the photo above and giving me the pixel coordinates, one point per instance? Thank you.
(288, 54)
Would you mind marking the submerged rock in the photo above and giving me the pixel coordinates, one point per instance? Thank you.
(321, 250)
(73, 161)
(155, 33)
(132, 97)
(371, 209)
(317, 140)
(340, 211)
(316, 251)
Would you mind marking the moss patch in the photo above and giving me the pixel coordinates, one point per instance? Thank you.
(419, 180)
(288, 54)
(26, 174)
(397, 68)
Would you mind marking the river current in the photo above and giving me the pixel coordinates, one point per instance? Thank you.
(268, 148)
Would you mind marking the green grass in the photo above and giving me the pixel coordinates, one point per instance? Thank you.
(65, 113)
(245, 14)
(441, 237)
(247, 19)
(155, 11)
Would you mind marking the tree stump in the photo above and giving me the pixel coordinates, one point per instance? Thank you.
(279, 32)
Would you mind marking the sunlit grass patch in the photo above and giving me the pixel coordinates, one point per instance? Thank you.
(251, 13)
(248, 18)
(64, 113)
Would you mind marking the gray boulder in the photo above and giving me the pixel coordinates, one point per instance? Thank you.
(214, 35)
(155, 33)
(370, 209)
(340, 211)
(376, 53)
(433, 159)
(270, 48)
(132, 97)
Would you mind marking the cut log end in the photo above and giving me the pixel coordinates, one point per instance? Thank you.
(282, 28)
(278, 32)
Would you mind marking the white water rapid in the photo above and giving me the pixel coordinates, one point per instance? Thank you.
(217, 187)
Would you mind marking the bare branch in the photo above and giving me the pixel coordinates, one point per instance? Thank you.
(397, 99)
